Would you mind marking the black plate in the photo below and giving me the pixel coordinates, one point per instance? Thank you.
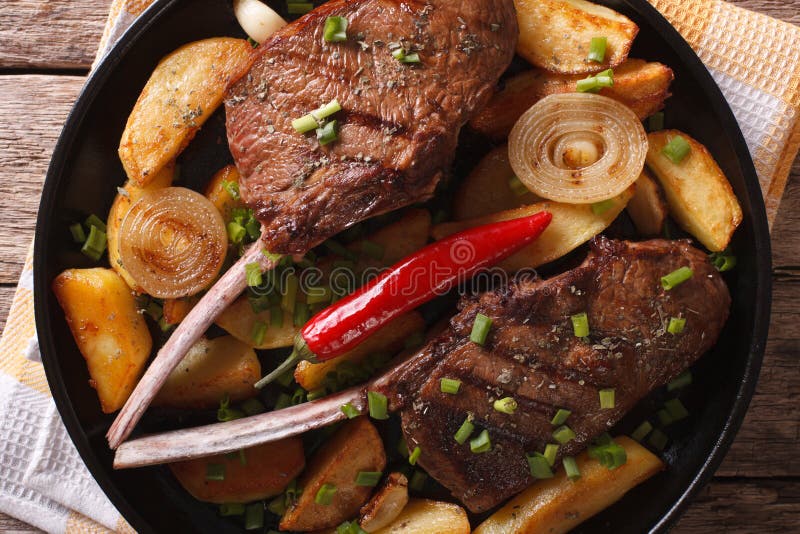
(85, 172)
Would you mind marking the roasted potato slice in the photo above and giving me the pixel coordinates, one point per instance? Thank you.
(699, 196)
(211, 370)
(558, 504)
(176, 310)
(488, 189)
(184, 90)
(423, 516)
(386, 504)
(400, 238)
(356, 446)
(109, 330)
(642, 86)
(647, 207)
(239, 320)
(555, 34)
(255, 473)
(572, 225)
(219, 195)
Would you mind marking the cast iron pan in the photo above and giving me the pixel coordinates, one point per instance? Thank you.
(85, 172)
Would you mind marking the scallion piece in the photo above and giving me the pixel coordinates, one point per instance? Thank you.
(571, 467)
(539, 466)
(414, 456)
(597, 49)
(232, 188)
(723, 261)
(402, 447)
(449, 385)
(664, 417)
(350, 411)
(319, 295)
(599, 208)
(401, 55)
(283, 401)
(95, 244)
(417, 481)
(350, 527)
(277, 505)
(335, 30)
(607, 399)
(658, 440)
(298, 397)
(593, 84)
(253, 406)
(676, 325)
(304, 124)
(676, 278)
(378, 405)
(517, 187)
(480, 329)
(560, 417)
(229, 509)
(676, 409)
(464, 431)
(505, 405)
(677, 149)
(299, 8)
(215, 471)
(563, 434)
(609, 454)
(580, 324)
(253, 228)
(327, 110)
(368, 478)
(258, 333)
(302, 313)
(550, 452)
(289, 295)
(642, 431)
(226, 413)
(315, 394)
(372, 249)
(481, 443)
(275, 316)
(78, 235)
(681, 381)
(97, 222)
(325, 494)
(656, 121)
(328, 133)
(236, 232)
(253, 273)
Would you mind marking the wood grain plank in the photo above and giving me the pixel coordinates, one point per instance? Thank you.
(786, 10)
(6, 295)
(9, 525)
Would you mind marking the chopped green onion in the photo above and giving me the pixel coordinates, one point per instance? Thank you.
(599, 208)
(254, 516)
(676, 325)
(372, 249)
(609, 454)
(580, 324)
(229, 509)
(560, 417)
(378, 405)
(681, 381)
(299, 8)
(481, 443)
(226, 413)
(253, 228)
(258, 303)
(328, 133)
(607, 399)
(414, 456)
(301, 313)
(274, 258)
(550, 452)
(298, 397)
(350, 411)
(571, 467)
(236, 232)
(253, 273)
(401, 55)
(276, 316)
(350, 527)
(723, 261)
(402, 447)
(676, 278)
(597, 49)
(368, 478)
(563, 434)
(676, 409)
(325, 494)
(277, 505)
(335, 30)
(450, 385)
(315, 394)
(337, 248)
(658, 440)
(95, 244)
(539, 466)
(664, 417)
(215, 471)
(232, 188)
(319, 295)
(258, 333)
(417, 481)
(517, 187)
(642, 431)
(78, 235)
(94, 220)
(677, 149)
(656, 121)
(253, 406)
(304, 124)
(289, 296)
(593, 84)
(327, 110)
(480, 329)
(464, 431)
(506, 405)
(283, 401)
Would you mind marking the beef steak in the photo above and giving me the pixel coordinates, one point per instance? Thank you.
(399, 121)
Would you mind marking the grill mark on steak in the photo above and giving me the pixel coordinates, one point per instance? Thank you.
(532, 355)
(398, 125)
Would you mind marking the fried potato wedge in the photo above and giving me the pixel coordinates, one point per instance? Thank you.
(386, 504)
(647, 207)
(423, 516)
(109, 330)
(219, 195)
(255, 473)
(642, 86)
(558, 504)
(129, 194)
(389, 339)
(239, 320)
(176, 310)
(184, 90)
(572, 225)
(487, 189)
(699, 196)
(555, 34)
(400, 238)
(356, 446)
(210, 371)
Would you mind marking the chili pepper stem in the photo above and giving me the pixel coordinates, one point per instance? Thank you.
(301, 352)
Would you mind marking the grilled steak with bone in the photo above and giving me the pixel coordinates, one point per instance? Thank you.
(531, 354)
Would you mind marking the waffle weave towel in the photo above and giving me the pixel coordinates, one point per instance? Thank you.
(754, 59)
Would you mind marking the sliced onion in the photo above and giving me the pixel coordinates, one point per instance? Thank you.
(257, 19)
(173, 242)
(577, 148)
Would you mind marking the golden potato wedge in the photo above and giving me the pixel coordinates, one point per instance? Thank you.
(184, 90)
(400, 238)
(109, 330)
(647, 207)
(176, 310)
(487, 189)
(555, 34)
(119, 209)
(210, 371)
(642, 86)
(356, 446)
(219, 195)
(255, 473)
(558, 504)
(572, 225)
(389, 339)
(386, 504)
(699, 196)
(423, 516)
(238, 320)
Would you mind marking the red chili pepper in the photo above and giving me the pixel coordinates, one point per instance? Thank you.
(430, 272)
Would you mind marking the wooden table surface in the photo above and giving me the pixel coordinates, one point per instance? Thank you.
(46, 48)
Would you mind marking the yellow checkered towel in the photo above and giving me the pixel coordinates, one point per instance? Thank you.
(754, 59)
